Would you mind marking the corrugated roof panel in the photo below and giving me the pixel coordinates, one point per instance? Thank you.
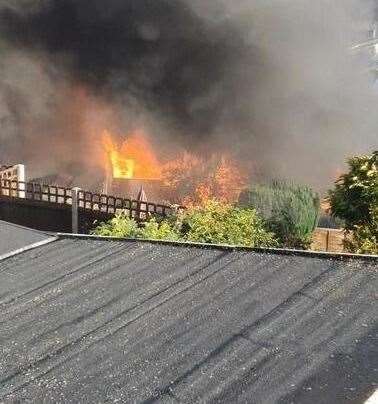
(96, 321)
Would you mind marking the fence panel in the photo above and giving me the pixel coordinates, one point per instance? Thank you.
(139, 210)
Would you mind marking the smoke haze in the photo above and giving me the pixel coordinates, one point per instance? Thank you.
(274, 81)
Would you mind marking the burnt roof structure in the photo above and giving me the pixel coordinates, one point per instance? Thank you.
(95, 320)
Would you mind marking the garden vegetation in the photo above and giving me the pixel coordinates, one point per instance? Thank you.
(213, 222)
(279, 214)
(290, 211)
(355, 200)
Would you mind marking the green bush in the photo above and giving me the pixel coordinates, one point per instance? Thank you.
(120, 226)
(356, 192)
(222, 223)
(365, 237)
(355, 200)
(214, 222)
(124, 226)
(155, 230)
(290, 211)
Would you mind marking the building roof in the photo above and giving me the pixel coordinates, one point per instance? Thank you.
(14, 237)
(61, 180)
(88, 320)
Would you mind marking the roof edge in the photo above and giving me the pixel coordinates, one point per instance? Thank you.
(19, 226)
(266, 250)
(28, 247)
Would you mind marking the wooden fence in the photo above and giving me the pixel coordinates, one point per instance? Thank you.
(59, 209)
(331, 240)
(86, 199)
(91, 206)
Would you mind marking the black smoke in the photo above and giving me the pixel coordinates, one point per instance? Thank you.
(158, 51)
(272, 81)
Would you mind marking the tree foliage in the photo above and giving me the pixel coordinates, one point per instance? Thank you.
(356, 192)
(365, 237)
(355, 200)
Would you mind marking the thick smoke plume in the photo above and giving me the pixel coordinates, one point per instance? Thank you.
(274, 81)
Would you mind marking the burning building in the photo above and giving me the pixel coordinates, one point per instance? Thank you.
(131, 166)
(182, 179)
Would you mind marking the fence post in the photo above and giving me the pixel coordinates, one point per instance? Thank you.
(75, 210)
(327, 240)
(142, 201)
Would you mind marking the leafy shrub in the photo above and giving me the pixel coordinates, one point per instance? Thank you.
(214, 222)
(290, 211)
(356, 192)
(365, 237)
(124, 226)
(120, 226)
(155, 230)
(222, 223)
(355, 200)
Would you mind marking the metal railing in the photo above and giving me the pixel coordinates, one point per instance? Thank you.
(87, 200)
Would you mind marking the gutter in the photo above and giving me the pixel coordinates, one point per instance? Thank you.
(225, 247)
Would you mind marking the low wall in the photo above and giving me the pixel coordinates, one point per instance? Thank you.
(46, 216)
(331, 240)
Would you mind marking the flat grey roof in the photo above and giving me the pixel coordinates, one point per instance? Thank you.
(86, 320)
(14, 237)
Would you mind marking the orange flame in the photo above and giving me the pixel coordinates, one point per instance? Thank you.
(195, 180)
(188, 179)
(133, 159)
(121, 167)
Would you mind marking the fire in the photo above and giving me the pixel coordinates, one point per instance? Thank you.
(121, 167)
(187, 179)
(135, 158)
(196, 180)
